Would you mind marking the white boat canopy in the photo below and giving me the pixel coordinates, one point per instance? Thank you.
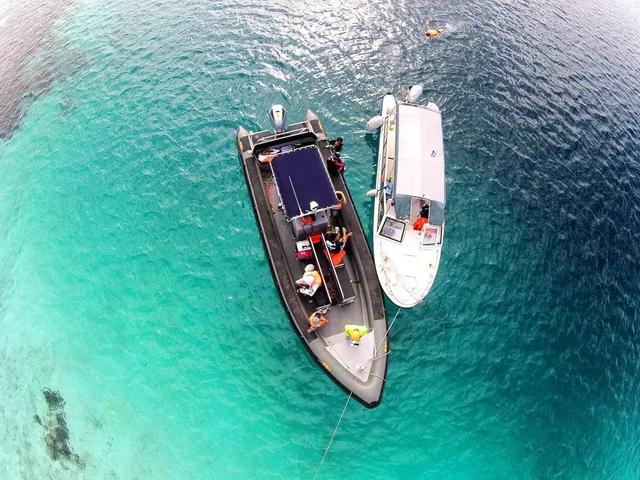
(420, 153)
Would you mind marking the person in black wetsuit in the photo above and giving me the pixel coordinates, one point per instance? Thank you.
(336, 144)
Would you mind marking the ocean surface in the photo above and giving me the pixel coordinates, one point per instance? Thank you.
(141, 336)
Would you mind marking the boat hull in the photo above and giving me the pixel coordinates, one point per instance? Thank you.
(406, 269)
(327, 345)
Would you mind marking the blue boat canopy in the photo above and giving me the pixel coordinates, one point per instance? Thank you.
(303, 182)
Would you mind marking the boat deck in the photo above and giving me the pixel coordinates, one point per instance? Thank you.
(354, 312)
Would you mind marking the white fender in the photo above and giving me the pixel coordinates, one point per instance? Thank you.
(388, 104)
(414, 93)
(375, 122)
(388, 108)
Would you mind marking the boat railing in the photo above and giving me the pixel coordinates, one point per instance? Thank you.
(385, 133)
(282, 136)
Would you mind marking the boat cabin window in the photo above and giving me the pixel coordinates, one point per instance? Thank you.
(436, 213)
(393, 229)
(431, 235)
(402, 204)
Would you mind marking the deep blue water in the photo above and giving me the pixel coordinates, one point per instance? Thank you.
(134, 283)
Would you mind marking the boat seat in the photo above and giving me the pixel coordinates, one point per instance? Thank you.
(346, 290)
(346, 293)
(322, 297)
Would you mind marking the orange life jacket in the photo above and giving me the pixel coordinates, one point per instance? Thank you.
(419, 223)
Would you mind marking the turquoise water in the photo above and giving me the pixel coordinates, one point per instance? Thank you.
(133, 280)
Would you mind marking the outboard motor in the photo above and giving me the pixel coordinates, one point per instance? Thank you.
(278, 116)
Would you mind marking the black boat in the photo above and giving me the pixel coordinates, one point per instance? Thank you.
(323, 273)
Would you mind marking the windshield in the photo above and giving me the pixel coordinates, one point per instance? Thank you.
(402, 204)
(436, 213)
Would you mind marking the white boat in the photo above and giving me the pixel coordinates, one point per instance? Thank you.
(409, 208)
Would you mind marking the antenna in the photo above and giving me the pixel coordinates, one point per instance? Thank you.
(295, 195)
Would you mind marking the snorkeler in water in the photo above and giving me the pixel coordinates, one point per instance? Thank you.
(434, 32)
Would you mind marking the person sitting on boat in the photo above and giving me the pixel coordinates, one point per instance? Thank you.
(332, 232)
(423, 218)
(354, 333)
(317, 320)
(337, 239)
(342, 198)
(310, 281)
(336, 144)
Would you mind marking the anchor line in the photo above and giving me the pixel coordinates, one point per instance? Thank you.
(335, 430)
(344, 409)
(375, 352)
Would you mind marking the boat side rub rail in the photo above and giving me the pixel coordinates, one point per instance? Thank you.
(281, 137)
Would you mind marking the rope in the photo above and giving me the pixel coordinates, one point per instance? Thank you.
(379, 357)
(344, 409)
(335, 430)
(375, 352)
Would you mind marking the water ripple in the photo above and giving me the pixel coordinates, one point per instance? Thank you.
(134, 281)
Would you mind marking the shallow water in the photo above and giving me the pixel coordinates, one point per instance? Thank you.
(133, 281)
